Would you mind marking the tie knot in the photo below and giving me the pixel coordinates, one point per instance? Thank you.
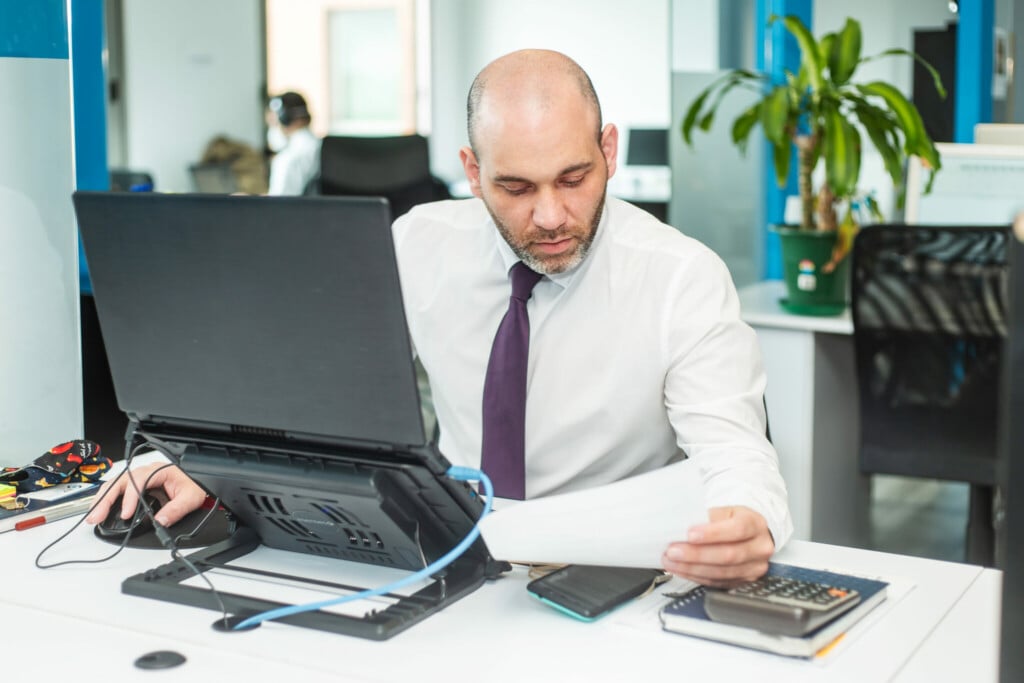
(523, 281)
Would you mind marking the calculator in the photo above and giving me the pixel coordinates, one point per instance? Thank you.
(781, 605)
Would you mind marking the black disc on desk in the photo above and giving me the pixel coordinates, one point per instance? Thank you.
(161, 659)
(228, 624)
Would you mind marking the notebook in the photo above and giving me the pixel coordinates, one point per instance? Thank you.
(686, 615)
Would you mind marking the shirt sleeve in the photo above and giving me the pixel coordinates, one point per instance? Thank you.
(714, 394)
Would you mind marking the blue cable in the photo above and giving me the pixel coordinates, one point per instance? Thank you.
(456, 473)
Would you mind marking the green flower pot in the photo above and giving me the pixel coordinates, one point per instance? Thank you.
(809, 289)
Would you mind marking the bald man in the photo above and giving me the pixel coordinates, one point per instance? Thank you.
(637, 357)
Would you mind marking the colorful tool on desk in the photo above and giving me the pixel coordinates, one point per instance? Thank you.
(55, 512)
(47, 505)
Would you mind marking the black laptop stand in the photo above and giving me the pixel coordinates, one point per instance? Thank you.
(165, 583)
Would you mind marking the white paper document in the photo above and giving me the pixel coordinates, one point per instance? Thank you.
(625, 524)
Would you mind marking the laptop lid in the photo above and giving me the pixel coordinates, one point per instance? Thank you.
(259, 314)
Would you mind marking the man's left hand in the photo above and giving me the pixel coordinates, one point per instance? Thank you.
(733, 547)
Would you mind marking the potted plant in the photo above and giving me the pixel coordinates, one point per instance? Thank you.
(820, 114)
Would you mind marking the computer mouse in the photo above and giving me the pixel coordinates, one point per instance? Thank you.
(139, 523)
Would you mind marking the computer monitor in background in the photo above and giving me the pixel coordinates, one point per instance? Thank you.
(999, 134)
(647, 147)
(261, 342)
(1011, 469)
(977, 185)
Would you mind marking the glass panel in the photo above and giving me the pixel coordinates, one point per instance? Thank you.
(365, 70)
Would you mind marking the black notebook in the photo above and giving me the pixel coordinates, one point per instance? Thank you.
(686, 615)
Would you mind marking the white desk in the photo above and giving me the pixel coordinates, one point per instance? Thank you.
(971, 628)
(813, 415)
(74, 619)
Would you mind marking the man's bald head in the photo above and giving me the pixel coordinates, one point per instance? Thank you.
(527, 78)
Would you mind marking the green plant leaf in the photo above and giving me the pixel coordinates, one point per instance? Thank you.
(907, 116)
(722, 85)
(775, 115)
(781, 154)
(845, 53)
(825, 44)
(879, 128)
(842, 153)
(691, 115)
(810, 58)
(743, 124)
(936, 79)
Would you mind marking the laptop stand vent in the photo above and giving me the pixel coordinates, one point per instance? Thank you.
(257, 431)
(338, 514)
(347, 554)
(349, 533)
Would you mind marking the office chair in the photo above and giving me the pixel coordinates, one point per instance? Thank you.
(396, 168)
(929, 321)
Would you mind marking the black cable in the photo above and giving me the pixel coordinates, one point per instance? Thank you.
(124, 542)
(169, 543)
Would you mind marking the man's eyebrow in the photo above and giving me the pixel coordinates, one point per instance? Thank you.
(575, 168)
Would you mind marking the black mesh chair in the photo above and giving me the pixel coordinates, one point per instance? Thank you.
(396, 168)
(929, 321)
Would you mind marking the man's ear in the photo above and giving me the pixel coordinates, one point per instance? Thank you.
(472, 168)
(610, 147)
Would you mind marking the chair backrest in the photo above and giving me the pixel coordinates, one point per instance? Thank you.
(929, 315)
(396, 168)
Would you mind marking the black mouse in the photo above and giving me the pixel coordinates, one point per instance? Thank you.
(139, 523)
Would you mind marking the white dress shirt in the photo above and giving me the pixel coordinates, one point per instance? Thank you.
(293, 167)
(637, 357)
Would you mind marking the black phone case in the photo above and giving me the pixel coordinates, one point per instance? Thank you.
(588, 592)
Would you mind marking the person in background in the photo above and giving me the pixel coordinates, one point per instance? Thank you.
(296, 149)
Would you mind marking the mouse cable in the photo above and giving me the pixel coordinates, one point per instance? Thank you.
(457, 473)
(130, 453)
(171, 544)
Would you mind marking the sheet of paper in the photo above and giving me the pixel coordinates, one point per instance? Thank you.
(626, 524)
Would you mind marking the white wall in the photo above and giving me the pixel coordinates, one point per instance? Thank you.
(623, 46)
(40, 362)
(193, 69)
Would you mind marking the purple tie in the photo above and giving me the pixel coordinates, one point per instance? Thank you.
(504, 410)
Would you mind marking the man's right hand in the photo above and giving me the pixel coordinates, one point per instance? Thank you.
(183, 494)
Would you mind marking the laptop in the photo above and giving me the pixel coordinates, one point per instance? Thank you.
(262, 343)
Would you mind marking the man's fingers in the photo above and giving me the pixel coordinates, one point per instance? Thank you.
(104, 499)
(186, 497)
(717, 575)
(728, 525)
(122, 487)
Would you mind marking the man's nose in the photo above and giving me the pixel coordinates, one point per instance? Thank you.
(549, 211)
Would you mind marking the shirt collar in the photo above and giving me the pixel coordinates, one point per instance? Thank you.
(563, 280)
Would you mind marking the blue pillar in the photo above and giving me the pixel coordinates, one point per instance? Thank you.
(89, 88)
(777, 51)
(973, 68)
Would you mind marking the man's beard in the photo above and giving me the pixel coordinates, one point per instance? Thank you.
(562, 263)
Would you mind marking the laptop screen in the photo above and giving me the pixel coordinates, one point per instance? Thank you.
(269, 313)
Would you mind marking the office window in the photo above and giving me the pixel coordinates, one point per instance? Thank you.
(359, 63)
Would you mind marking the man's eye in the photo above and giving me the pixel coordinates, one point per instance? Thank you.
(515, 190)
(572, 182)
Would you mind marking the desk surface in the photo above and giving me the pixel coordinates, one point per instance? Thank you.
(497, 632)
(759, 307)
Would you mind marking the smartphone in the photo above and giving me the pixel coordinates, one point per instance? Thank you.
(588, 592)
